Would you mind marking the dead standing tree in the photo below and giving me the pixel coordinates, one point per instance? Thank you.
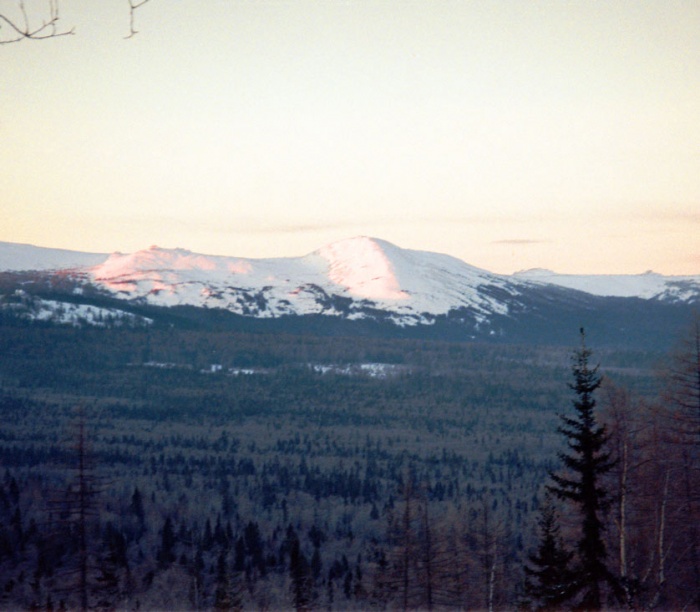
(75, 511)
(629, 424)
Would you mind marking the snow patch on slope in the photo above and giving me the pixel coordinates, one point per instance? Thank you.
(33, 308)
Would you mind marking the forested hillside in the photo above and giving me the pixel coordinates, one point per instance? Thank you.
(160, 469)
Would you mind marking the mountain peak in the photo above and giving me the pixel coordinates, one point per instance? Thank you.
(364, 267)
(154, 258)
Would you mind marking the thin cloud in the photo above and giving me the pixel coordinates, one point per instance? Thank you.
(264, 226)
(660, 212)
(293, 228)
(520, 241)
(233, 225)
(684, 217)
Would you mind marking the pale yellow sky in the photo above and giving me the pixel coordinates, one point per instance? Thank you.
(512, 135)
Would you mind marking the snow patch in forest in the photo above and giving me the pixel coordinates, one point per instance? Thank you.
(373, 370)
(67, 313)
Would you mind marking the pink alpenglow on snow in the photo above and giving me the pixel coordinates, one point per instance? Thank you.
(362, 267)
(412, 286)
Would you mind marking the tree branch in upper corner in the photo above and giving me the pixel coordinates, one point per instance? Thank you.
(134, 5)
(22, 29)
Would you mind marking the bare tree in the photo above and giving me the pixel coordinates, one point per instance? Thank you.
(639, 487)
(619, 418)
(42, 22)
(398, 580)
(489, 537)
(654, 485)
(682, 392)
(682, 401)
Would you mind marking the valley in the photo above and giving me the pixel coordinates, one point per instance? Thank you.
(247, 445)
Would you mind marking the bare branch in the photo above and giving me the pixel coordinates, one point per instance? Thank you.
(22, 29)
(133, 6)
(47, 29)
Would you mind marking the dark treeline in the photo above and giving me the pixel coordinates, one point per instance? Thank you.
(201, 470)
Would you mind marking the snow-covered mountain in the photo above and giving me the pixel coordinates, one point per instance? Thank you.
(358, 279)
(344, 278)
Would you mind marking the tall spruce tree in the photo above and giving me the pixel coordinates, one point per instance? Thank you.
(581, 482)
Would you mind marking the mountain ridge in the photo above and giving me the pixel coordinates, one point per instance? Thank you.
(359, 279)
(10, 253)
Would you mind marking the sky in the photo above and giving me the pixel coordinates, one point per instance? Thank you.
(556, 134)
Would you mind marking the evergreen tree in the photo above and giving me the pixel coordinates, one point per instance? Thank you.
(222, 595)
(548, 577)
(166, 553)
(138, 513)
(316, 564)
(300, 573)
(586, 463)
(136, 505)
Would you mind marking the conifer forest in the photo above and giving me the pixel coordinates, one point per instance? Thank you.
(176, 469)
